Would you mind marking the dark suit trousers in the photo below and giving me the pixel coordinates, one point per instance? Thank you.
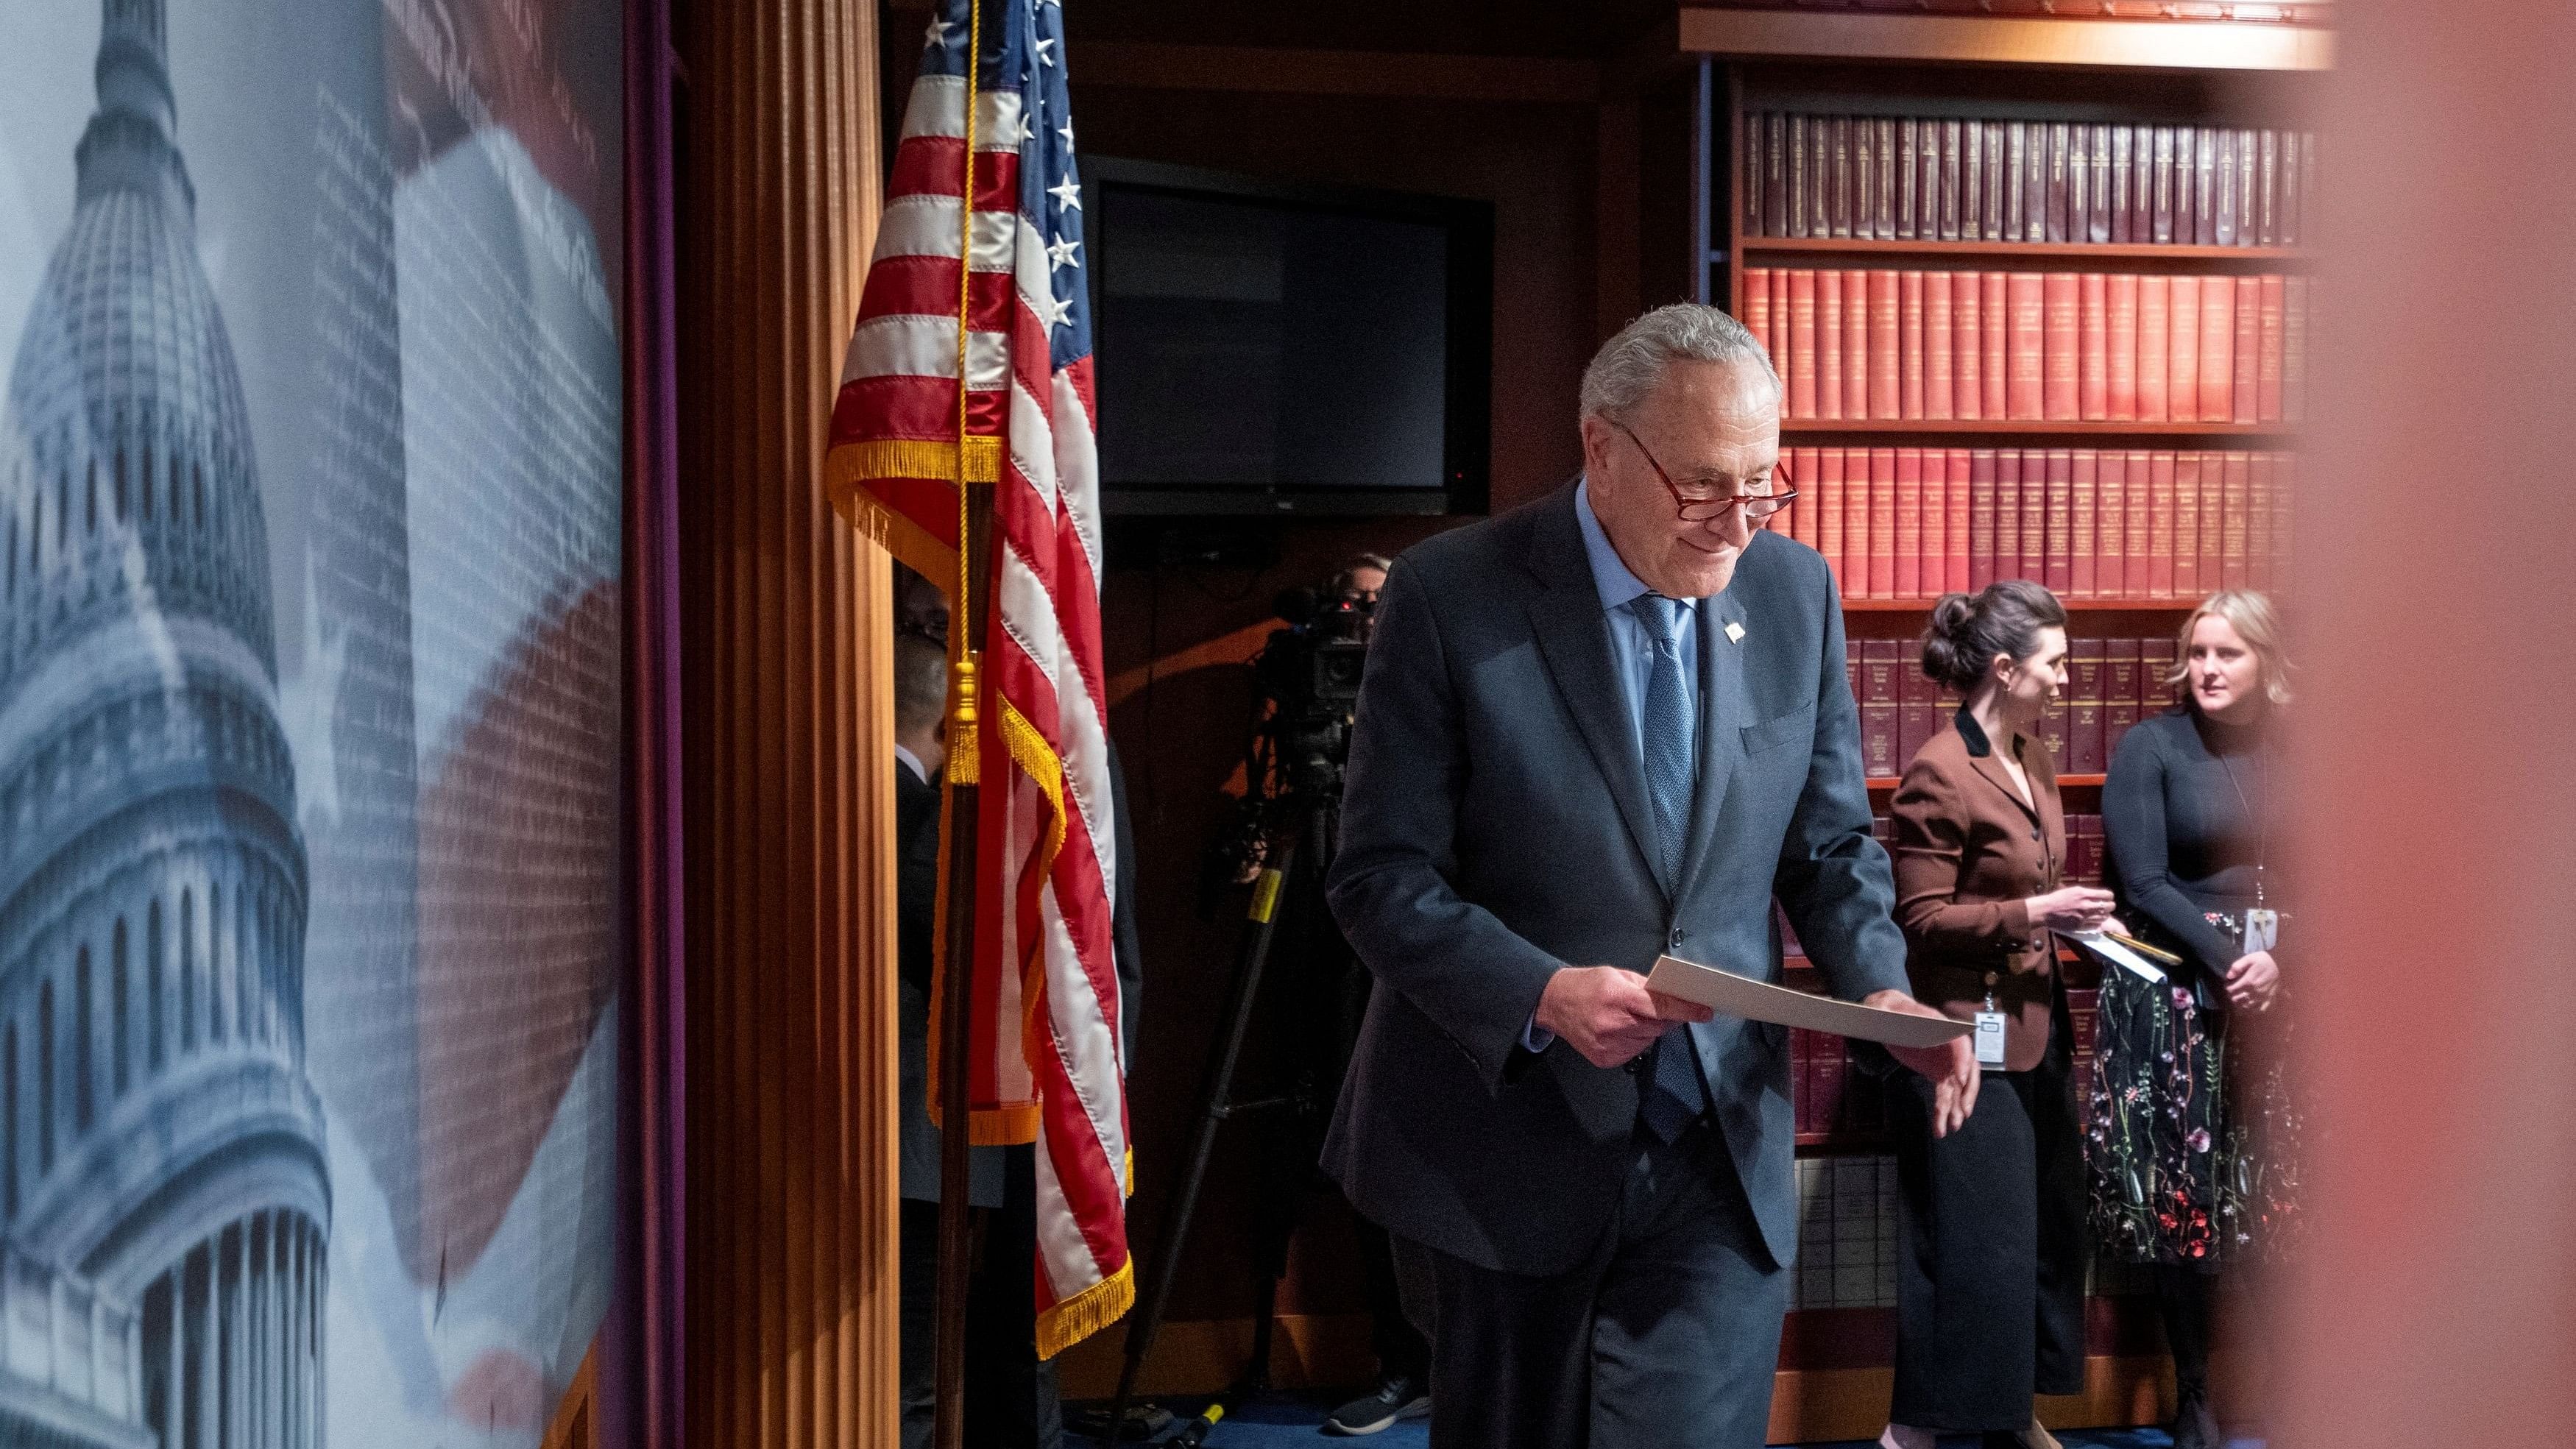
(1990, 1258)
(1010, 1391)
(1665, 1335)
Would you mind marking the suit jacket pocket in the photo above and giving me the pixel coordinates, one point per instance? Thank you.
(1798, 726)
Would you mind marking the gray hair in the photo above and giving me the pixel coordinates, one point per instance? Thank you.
(1632, 364)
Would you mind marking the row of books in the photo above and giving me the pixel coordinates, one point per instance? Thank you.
(1908, 178)
(2111, 684)
(2089, 523)
(1901, 346)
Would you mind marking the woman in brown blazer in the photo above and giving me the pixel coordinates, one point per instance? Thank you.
(1990, 1286)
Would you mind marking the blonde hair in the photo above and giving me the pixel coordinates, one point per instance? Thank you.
(2257, 621)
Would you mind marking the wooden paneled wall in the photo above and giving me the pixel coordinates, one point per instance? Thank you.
(787, 743)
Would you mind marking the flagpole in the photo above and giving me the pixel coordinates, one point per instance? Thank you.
(966, 628)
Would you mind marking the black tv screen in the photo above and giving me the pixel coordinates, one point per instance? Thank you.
(1264, 348)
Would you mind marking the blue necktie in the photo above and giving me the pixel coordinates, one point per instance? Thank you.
(1675, 1096)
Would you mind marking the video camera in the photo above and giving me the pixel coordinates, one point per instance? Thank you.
(1309, 673)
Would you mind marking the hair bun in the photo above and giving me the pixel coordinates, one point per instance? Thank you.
(1944, 642)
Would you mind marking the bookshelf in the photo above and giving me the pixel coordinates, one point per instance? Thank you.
(1785, 59)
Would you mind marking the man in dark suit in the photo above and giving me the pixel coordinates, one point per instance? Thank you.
(1608, 724)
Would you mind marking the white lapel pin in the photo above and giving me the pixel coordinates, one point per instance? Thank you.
(1734, 632)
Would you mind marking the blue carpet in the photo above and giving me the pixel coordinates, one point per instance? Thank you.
(1285, 1421)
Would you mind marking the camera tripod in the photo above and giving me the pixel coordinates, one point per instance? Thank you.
(1288, 892)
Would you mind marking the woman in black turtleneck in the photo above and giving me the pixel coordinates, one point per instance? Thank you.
(2190, 819)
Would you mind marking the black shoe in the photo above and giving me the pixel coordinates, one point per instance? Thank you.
(1401, 1397)
(2194, 1426)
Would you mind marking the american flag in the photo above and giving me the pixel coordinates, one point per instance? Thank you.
(1045, 1064)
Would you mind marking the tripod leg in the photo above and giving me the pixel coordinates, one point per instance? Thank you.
(1213, 1110)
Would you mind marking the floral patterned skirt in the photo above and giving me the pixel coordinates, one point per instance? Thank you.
(2191, 1161)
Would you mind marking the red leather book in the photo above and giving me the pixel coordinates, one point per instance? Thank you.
(1856, 514)
(1757, 315)
(2119, 693)
(2008, 513)
(1967, 330)
(2111, 525)
(1909, 346)
(2182, 351)
(1824, 490)
(2258, 521)
(2120, 348)
(2187, 583)
(1797, 177)
(1885, 346)
(1802, 344)
(2056, 521)
(2093, 390)
(2143, 523)
(2217, 349)
(1918, 702)
(2294, 349)
(1838, 199)
(1981, 517)
(2267, 372)
(1782, 306)
(2213, 521)
(1954, 574)
(1940, 344)
(2084, 708)
(1856, 345)
(1879, 661)
(2160, 528)
(1906, 579)
(2082, 516)
(1993, 289)
(2062, 343)
(1800, 518)
(1882, 523)
(2248, 362)
(2236, 489)
(1931, 557)
(2028, 313)
(1828, 392)
(2155, 297)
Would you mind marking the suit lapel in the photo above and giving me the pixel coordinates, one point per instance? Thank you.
(1575, 639)
(1721, 720)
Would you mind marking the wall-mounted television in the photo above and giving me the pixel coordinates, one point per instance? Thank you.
(1273, 348)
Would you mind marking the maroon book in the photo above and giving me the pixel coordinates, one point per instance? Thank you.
(2156, 692)
(1918, 709)
(2035, 501)
(1981, 517)
(2084, 698)
(1879, 661)
(2008, 514)
(2120, 693)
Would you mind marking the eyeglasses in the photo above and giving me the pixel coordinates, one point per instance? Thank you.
(1703, 508)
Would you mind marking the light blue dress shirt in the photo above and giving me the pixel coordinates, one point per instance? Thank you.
(1632, 652)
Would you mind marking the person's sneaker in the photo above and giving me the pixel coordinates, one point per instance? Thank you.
(1397, 1398)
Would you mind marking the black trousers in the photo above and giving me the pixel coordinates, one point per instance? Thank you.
(1664, 1337)
(1991, 1250)
(1010, 1392)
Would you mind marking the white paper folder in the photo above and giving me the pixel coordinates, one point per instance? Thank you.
(1728, 994)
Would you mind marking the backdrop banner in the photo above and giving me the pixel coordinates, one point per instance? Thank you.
(310, 878)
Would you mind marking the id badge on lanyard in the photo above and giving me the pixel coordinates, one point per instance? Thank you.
(1990, 1036)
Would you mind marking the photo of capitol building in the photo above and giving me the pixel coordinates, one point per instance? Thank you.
(165, 1199)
